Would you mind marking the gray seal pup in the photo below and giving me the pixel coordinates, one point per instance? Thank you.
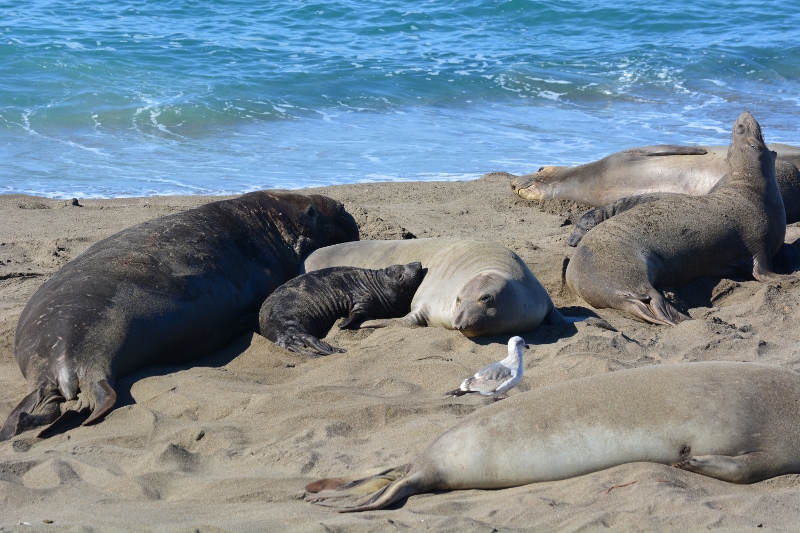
(304, 308)
(165, 291)
(673, 241)
(498, 378)
(693, 170)
(738, 422)
(479, 288)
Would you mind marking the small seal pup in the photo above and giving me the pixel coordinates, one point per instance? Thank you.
(693, 170)
(673, 241)
(738, 422)
(168, 290)
(304, 308)
(479, 288)
(497, 378)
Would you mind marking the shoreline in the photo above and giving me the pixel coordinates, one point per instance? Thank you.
(228, 442)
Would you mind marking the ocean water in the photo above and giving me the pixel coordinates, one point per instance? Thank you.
(136, 98)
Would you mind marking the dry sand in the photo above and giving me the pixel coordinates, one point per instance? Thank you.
(228, 442)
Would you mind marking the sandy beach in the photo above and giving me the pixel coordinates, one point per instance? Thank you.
(228, 442)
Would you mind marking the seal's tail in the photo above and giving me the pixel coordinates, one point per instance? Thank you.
(39, 408)
(381, 487)
(45, 407)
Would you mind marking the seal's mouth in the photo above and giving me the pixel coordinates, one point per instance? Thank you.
(468, 332)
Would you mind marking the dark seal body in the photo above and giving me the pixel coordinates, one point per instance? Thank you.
(303, 309)
(164, 291)
(693, 170)
(738, 422)
(670, 242)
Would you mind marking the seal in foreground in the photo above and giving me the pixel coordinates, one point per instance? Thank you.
(670, 242)
(164, 291)
(477, 287)
(304, 308)
(738, 422)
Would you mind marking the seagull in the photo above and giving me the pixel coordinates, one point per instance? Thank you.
(497, 378)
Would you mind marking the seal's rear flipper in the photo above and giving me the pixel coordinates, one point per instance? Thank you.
(39, 408)
(653, 308)
(103, 400)
(382, 487)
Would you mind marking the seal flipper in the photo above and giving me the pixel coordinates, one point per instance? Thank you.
(103, 400)
(305, 344)
(383, 488)
(39, 408)
(745, 468)
(763, 272)
(653, 308)
(415, 318)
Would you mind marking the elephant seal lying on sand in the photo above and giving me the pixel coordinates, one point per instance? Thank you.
(477, 287)
(681, 238)
(693, 170)
(164, 291)
(738, 422)
(304, 308)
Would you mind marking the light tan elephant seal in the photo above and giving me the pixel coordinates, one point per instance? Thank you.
(670, 242)
(477, 287)
(693, 170)
(738, 422)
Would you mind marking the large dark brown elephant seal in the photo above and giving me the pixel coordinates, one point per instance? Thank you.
(693, 170)
(164, 291)
(477, 287)
(304, 308)
(673, 241)
(738, 422)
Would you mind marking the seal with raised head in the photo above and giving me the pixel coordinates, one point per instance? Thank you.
(738, 422)
(477, 287)
(786, 260)
(303, 309)
(673, 241)
(693, 170)
(168, 290)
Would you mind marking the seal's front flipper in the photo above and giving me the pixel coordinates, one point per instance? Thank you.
(763, 271)
(746, 468)
(39, 408)
(653, 308)
(415, 318)
(308, 345)
(667, 149)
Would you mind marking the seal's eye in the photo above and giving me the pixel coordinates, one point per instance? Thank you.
(458, 300)
(311, 211)
(485, 299)
(401, 277)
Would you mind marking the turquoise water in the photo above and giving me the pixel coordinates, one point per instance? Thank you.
(136, 98)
